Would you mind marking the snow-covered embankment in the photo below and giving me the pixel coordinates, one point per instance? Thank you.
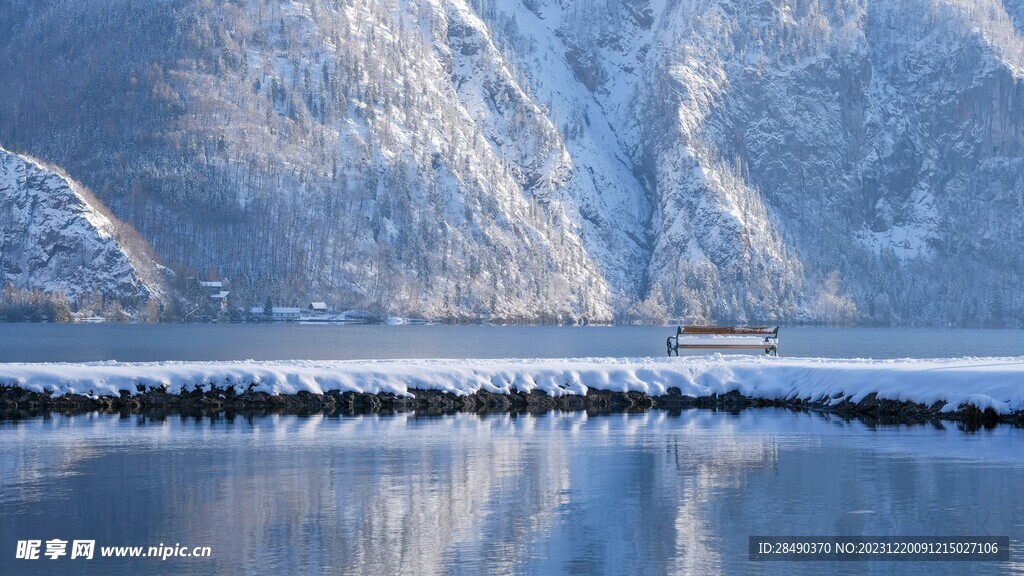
(942, 386)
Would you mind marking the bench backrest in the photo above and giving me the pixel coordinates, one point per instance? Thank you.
(729, 331)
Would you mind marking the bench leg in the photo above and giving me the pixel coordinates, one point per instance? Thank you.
(668, 343)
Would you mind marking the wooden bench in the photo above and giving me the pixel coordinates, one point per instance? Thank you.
(725, 337)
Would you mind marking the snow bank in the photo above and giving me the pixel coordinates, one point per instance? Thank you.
(996, 383)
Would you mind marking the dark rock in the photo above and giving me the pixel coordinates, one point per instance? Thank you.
(18, 403)
(868, 404)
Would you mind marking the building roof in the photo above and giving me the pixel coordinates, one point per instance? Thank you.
(220, 295)
(211, 284)
(318, 306)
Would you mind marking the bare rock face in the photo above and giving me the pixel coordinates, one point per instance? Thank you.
(54, 239)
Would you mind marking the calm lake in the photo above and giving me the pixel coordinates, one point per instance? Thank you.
(153, 342)
(559, 493)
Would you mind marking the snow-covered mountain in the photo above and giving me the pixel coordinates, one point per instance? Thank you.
(55, 238)
(544, 160)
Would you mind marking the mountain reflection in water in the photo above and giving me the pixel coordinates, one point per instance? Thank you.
(651, 493)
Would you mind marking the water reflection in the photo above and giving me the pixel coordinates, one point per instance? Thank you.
(559, 493)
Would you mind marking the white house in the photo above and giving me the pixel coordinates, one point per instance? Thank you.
(281, 314)
(277, 313)
(318, 307)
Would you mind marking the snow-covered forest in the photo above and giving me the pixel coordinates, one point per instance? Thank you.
(548, 160)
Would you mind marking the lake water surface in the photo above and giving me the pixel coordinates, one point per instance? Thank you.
(559, 493)
(142, 342)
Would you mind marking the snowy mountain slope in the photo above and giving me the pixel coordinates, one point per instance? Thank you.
(54, 239)
(803, 150)
(608, 196)
(311, 149)
(550, 160)
(883, 137)
(713, 251)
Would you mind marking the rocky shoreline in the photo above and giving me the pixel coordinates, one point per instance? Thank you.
(19, 403)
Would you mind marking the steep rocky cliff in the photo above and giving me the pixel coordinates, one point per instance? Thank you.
(56, 239)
